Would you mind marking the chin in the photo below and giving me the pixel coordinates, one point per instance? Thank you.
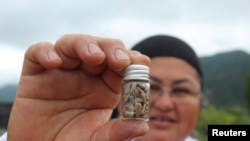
(156, 134)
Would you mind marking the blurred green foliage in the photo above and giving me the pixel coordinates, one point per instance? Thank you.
(247, 93)
(2, 131)
(212, 115)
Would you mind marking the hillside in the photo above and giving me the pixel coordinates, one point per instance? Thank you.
(8, 93)
(224, 76)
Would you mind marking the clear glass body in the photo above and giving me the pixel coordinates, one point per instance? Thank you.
(135, 101)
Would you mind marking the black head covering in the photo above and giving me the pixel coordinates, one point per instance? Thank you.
(164, 45)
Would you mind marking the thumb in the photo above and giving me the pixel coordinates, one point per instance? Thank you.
(121, 130)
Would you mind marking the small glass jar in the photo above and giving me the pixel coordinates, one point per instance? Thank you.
(135, 101)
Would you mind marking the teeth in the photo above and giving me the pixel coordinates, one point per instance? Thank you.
(160, 119)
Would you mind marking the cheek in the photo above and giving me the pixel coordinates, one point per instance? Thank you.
(188, 115)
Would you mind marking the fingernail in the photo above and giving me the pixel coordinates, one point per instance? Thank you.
(93, 48)
(52, 55)
(136, 53)
(121, 55)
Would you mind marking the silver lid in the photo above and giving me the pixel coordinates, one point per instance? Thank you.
(136, 71)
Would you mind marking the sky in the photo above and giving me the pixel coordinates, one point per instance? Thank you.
(209, 26)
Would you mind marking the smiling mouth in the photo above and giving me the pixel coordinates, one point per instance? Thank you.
(162, 119)
(161, 122)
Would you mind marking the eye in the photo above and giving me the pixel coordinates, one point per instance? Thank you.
(181, 91)
(155, 88)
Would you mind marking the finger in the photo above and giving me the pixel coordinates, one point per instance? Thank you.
(114, 80)
(40, 56)
(138, 58)
(77, 49)
(117, 57)
(121, 130)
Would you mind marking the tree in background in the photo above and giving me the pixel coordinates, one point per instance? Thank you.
(247, 93)
(223, 116)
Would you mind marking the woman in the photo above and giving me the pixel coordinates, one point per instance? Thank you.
(176, 86)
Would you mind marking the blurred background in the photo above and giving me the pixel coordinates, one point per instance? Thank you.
(218, 31)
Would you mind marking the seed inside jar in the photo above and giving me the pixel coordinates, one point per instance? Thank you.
(136, 100)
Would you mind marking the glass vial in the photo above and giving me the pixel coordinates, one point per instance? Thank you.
(135, 101)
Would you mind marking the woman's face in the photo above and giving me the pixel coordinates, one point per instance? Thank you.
(175, 99)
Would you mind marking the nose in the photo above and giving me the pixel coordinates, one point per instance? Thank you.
(164, 102)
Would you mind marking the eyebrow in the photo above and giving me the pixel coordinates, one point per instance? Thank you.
(180, 81)
(155, 79)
